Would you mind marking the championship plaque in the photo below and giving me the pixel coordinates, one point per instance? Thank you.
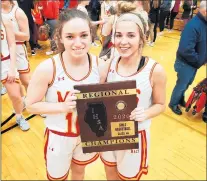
(103, 116)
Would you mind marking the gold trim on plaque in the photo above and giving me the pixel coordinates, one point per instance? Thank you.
(110, 142)
(109, 93)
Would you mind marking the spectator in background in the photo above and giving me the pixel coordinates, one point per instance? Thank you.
(27, 6)
(153, 21)
(94, 11)
(164, 12)
(191, 55)
(82, 7)
(105, 8)
(50, 19)
(156, 13)
(173, 14)
(188, 7)
(66, 4)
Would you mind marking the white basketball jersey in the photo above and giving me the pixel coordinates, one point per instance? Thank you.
(12, 17)
(107, 6)
(4, 43)
(62, 84)
(143, 85)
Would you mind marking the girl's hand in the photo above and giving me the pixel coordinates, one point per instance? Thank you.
(70, 102)
(138, 114)
(11, 75)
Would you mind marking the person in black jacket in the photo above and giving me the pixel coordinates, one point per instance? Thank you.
(153, 20)
(94, 11)
(164, 12)
(191, 55)
(188, 6)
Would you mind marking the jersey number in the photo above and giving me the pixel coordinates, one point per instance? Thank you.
(72, 120)
(70, 117)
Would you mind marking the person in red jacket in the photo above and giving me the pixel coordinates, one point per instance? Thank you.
(50, 12)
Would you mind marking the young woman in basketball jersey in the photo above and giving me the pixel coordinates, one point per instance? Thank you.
(19, 20)
(150, 79)
(107, 30)
(9, 74)
(54, 79)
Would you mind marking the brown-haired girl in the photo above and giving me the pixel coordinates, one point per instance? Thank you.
(19, 20)
(54, 79)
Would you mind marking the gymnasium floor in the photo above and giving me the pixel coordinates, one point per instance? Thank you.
(178, 143)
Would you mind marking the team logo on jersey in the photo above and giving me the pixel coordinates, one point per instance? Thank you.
(61, 78)
(111, 70)
(120, 105)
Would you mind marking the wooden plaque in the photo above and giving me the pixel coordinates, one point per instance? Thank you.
(103, 116)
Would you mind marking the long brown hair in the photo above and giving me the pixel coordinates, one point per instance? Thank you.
(65, 16)
(155, 3)
(146, 5)
(12, 2)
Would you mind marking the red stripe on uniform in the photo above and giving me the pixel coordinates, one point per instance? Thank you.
(60, 178)
(4, 80)
(143, 169)
(19, 43)
(65, 134)
(5, 58)
(24, 71)
(109, 164)
(85, 162)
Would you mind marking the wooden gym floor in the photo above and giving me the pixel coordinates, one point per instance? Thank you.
(178, 143)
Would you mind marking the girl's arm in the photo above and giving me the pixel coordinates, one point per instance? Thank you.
(107, 27)
(158, 81)
(102, 10)
(12, 50)
(23, 33)
(103, 67)
(38, 86)
(101, 22)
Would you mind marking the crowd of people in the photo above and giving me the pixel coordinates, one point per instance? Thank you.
(125, 28)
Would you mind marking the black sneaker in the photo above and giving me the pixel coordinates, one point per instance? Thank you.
(33, 52)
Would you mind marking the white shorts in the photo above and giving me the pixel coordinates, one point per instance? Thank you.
(60, 151)
(22, 59)
(5, 66)
(131, 164)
